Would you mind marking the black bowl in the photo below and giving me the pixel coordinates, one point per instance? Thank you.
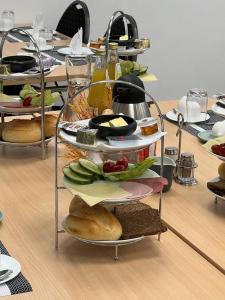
(104, 131)
(19, 63)
(128, 43)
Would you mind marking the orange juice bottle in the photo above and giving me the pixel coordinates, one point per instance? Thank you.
(100, 96)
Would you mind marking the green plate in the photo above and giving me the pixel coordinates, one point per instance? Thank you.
(205, 136)
(1, 216)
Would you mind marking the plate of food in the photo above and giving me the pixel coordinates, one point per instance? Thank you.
(87, 138)
(217, 184)
(218, 150)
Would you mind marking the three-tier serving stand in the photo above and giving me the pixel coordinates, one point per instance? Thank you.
(26, 78)
(62, 137)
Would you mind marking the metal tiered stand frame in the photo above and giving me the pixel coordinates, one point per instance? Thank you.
(58, 140)
(43, 142)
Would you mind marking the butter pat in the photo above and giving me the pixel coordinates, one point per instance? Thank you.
(105, 124)
(118, 122)
(123, 37)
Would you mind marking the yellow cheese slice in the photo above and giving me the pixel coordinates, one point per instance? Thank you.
(97, 192)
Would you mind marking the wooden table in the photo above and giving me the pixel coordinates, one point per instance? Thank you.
(191, 211)
(151, 270)
(59, 73)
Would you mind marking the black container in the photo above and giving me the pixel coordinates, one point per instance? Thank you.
(104, 131)
(19, 63)
(168, 169)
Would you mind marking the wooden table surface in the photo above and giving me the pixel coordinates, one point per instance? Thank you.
(169, 269)
(191, 211)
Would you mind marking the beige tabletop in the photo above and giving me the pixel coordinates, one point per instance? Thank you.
(191, 211)
(149, 270)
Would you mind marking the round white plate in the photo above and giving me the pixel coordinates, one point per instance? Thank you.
(103, 243)
(218, 156)
(218, 110)
(67, 51)
(218, 196)
(173, 117)
(45, 48)
(30, 31)
(8, 262)
(125, 52)
(103, 145)
(15, 76)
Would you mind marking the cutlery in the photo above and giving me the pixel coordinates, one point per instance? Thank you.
(5, 273)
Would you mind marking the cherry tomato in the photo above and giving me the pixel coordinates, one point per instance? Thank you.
(215, 149)
(118, 168)
(107, 167)
(27, 101)
(222, 149)
(122, 162)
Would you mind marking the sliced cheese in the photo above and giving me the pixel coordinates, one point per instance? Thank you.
(118, 122)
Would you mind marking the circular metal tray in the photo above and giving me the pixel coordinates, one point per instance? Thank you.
(38, 143)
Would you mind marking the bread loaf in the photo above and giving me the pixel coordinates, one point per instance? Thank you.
(50, 123)
(21, 131)
(221, 171)
(92, 223)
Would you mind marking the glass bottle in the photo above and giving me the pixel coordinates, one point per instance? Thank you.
(100, 95)
(112, 60)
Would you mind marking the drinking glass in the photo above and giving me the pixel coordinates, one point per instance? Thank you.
(197, 105)
(78, 71)
(38, 23)
(7, 20)
(46, 37)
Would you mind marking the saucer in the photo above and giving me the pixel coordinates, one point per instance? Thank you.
(45, 48)
(205, 136)
(171, 115)
(68, 51)
(8, 262)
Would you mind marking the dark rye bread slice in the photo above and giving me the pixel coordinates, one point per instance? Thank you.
(139, 219)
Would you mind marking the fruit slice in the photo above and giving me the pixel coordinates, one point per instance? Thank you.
(89, 165)
(75, 177)
(78, 169)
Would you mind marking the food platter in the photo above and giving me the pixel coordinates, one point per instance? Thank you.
(218, 156)
(212, 192)
(103, 145)
(103, 243)
(38, 143)
(120, 192)
(22, 110)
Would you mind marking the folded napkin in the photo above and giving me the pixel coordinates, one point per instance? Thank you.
(76, 44)
(216, 141)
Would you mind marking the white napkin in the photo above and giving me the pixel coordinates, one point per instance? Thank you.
(76, 44)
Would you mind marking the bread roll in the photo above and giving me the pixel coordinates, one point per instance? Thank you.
(50, 123)
(21, 131)
(92, 223)
(221, 171)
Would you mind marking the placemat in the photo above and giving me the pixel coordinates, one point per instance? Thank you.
(17, 285)
(194, 129)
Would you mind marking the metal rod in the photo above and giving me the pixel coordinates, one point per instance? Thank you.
(116, 257)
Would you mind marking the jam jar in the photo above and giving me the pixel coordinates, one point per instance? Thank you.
(148, 126)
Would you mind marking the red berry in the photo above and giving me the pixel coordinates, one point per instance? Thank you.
(107, 167)
(118, 168)
(122, 162)
(27, 101)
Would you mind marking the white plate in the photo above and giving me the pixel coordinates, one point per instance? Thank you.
(218, 110)
(126, 52)
(218, 156)
(103, 145)
(103, 243)
(8, 262)
(15, 76)
(67, 51)
(218, 196)
(173, 117)
(32, 49)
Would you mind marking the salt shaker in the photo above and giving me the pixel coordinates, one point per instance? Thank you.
(171, 152)
(185, 169)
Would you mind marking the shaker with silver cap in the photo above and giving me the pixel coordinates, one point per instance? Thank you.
(185, 169)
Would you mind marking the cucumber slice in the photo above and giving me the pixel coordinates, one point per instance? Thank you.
(78, 169)
(75, 177)
(89, 165)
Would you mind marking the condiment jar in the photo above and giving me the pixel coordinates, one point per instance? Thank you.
(185, 169)
(171, 152)
(148, 126)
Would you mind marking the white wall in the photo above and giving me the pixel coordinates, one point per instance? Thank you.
(188, 37)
